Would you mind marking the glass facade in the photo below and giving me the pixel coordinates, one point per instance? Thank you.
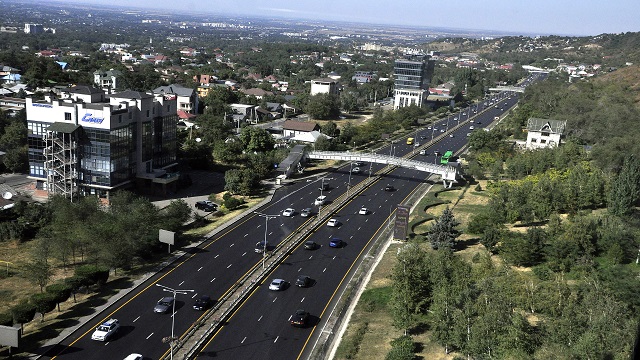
(409, 74)
(35, 141)
(165, 141)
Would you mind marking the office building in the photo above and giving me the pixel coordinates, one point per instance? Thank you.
(412, 74)
(85, 143)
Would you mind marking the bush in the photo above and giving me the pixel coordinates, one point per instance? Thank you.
(6, 319)
(60, 291)
(93, 274)
(232, 202)
(44, 303)
(402, 348)
(23, 313)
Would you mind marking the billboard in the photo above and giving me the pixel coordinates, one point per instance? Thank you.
(401, 224)
(9, 336)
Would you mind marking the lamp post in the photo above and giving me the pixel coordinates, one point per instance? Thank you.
(349, 184)
(266, 222)
(173, 311)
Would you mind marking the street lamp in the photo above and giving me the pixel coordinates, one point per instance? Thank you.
(349, 184)
(173, 311)
(266, 221)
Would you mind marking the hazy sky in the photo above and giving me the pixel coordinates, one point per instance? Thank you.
(561, 17)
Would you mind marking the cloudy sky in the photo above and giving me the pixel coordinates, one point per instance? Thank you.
(557, 17)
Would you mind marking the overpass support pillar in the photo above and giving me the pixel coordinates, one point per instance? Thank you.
(447, 186)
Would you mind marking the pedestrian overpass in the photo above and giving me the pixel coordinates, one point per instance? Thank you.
(446, 172)
(518, 89)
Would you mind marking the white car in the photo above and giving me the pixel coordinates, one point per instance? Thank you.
(133, 357)
(363, 211)
(288, 212)
(423, 152)
(356, 170)
(105, 330)
(277, 284)
(320, 200)
(416, 144)
(471, 127)
(333, 222)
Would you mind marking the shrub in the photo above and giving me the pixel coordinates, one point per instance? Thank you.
(402, 348)
(44, 303)
(23, 313)
(60, 291)
(6, 319)
(94, 274)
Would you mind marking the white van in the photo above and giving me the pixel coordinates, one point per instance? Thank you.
(320, 200)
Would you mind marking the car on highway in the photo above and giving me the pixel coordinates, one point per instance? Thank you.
(358, 163)
(422, 137)
(423, 152)
(202, 303)
(471, 127)
(300, 318)
(206, 205)
(389, 188)
(277, 284)
(303, 281)
(416, 144)
(333, 222)
(306, 212)
(261, 246)
(163, 305)
(310, 245)
(450, 135)
(429, 128)
(441, 130)
(363, 211)
(288, 212)
(336, 242)
(105, 330)
(356, 170)
(320, 200)
(468, 134)
(134, 357)
(455, 118)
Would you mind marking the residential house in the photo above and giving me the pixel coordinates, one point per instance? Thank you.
(543, 133)
(300, 129)
(107, 80)
(324, 86)
(257, 92)
(187, 97)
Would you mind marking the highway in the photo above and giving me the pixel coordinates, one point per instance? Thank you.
(260, 328)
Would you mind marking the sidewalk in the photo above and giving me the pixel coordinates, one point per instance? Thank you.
(175, 256)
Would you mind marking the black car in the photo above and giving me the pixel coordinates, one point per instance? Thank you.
(389, 188)
(206, 205)
(306, 212)
(300, 318)
(303, 281)
(202, 303)
(310, 245)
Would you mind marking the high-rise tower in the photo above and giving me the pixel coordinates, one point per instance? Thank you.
(412, 74)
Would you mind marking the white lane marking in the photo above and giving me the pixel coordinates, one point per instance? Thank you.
(245, 235)
(271, 233)
(274, 300)
(260, 318)
(310, 257)
(215, 257)
(172, 315)
(350, 237)
(333, 258)
(107, 343)
(280, 225)
(290, 316)
(136, 319)
(183, 281)
(360, 227)
(194, 295)
(232, 244)
(325, 269)
(149, 336)
(277, 337)
(245, 253)
(212, 280)
(299, 269)
(229, 266)
(198, 270)
(302, 300)
(242, 342)
(258, 225)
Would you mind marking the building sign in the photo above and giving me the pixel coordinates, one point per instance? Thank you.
(42, 105)
(91, 119)
(402, 223)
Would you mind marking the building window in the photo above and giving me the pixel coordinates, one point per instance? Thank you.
(119, 118)
(147, 113)
(67, 116)
(533, 140)
(545, 134)
(130, 114)
(543, 141)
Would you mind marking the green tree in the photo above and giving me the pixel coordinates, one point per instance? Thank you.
(411, 285)
(44, 303)
(256, 139)
(402, 348)
(60, 292)
(323, 106)
(625, 189)
(330, 129)
(443, 233)
(176, 214)
(23, 313)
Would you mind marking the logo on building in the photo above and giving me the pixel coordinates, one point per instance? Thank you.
(91, 119)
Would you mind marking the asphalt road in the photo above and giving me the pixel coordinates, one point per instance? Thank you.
(260, 329)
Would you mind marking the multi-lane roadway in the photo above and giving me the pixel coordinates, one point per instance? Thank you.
(260, 328)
